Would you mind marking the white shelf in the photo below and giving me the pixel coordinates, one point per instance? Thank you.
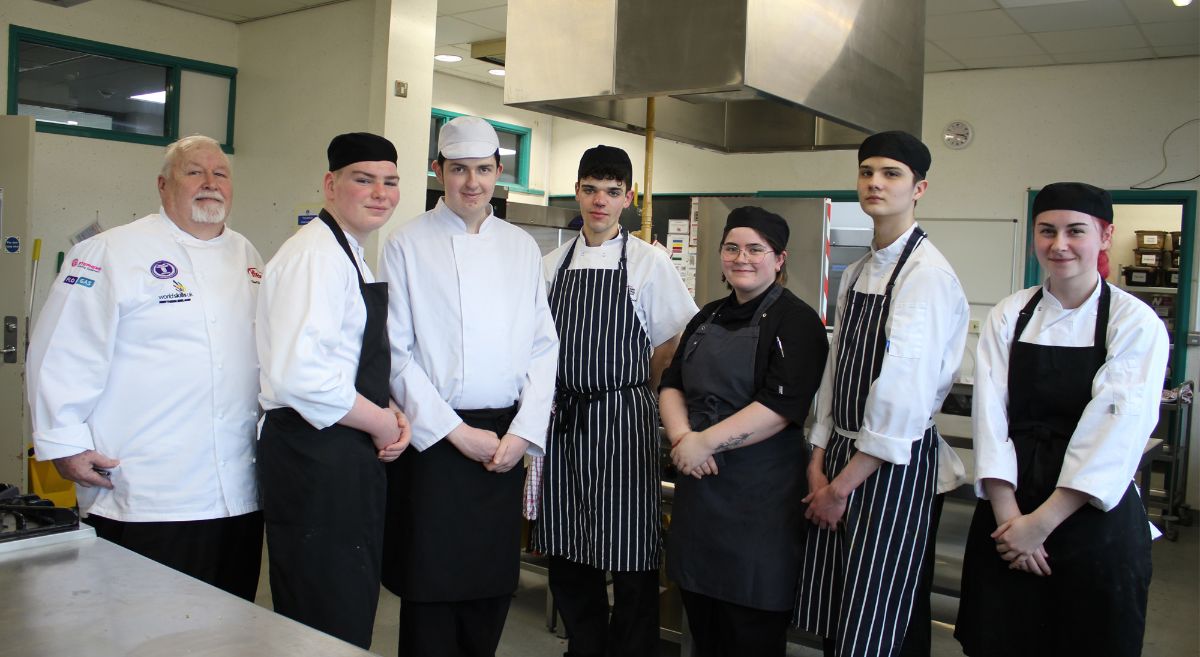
(1137, 289)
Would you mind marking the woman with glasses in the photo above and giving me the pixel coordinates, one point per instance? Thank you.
(733, 402)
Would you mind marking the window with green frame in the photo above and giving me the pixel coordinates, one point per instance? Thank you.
(90, 89)
(514, 149)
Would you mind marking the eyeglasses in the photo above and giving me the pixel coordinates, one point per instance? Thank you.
(754, 253)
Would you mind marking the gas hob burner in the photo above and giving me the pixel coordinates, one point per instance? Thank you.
(26, 516)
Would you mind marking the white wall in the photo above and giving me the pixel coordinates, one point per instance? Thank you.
(302, 78)
(75, 177)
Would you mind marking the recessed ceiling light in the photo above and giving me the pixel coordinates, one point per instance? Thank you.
(498, 72)
(449, 59)
(1182, 3)
(159, 97)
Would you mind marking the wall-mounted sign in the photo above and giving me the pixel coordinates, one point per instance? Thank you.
(12, 244)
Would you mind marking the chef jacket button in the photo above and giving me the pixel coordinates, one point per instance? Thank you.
(213, 320)
(220, 416)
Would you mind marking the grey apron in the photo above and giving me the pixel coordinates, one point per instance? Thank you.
(736, 536)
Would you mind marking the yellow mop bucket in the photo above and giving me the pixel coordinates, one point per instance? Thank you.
(45, 482)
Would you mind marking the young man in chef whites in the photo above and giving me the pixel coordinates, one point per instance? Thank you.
(619, 306)
(474, 353)
(879, 465)
(322, 339)
(143, 378)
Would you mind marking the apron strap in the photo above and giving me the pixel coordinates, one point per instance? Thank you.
(913, 240)
(1100, 338)
(340, 236)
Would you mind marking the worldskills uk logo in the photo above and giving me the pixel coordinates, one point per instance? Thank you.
(163, 270)
(178, 294)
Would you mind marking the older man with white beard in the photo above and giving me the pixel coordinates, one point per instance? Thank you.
(143, 378)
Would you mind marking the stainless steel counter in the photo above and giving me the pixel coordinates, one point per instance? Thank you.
(80, 596)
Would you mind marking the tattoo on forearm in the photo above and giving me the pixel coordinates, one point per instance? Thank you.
(734, 441)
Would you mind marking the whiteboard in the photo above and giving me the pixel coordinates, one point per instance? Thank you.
(983, 253)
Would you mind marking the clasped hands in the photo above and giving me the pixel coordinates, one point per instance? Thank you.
(826, 504)
(1020, 540)
(495, 453)
(692, 455)
(392, 440)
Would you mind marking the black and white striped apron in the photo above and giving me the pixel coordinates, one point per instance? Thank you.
(600, 496)
(858, 582)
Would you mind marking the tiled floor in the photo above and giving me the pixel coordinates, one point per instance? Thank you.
(1173, 628)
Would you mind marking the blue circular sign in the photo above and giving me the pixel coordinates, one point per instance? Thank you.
(12, 244)
(163, 269)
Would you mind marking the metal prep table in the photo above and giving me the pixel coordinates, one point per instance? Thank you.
(78, 595)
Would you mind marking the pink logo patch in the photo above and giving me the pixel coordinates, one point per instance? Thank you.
(255, 274)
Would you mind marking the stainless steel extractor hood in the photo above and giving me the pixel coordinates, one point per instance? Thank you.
(739, 76)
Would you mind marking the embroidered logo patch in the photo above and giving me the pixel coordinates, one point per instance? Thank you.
(163, 269)
(179, 295)
(80, 264)
(70, 280)
(255, 275)
(86, 282)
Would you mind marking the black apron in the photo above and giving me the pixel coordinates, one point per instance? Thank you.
(454, 529)
(600, 492)
(1094, 601)
(736, 536)
(858, 582)
(323, 494)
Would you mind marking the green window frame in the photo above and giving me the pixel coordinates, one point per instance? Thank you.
(439, 117)
(175, 66)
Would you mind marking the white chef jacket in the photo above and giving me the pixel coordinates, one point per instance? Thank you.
(1107, 444)
(144, 352)
(660, 299)
(926, 331)
(469, 325)
(311, 318)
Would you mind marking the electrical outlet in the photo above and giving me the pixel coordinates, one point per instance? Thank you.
(974, 327)
(401, 89)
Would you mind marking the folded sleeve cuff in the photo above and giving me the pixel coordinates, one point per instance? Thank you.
(888, 448)
(1104, 497)
(820, 435)
(62, 442)
(433, 427)
(531, 433)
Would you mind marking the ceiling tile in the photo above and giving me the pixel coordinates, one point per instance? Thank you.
(191, 7)
(451, 7)
(970, 24)
(1178, 51)
(1124, 55)
(1158, 11)
(451, 30)
(1101, 38)
(495, 18)
(937, 7)
(935, 54)
(1009, 62)
(1072, 16)
(1013, 45)
(1172, 34)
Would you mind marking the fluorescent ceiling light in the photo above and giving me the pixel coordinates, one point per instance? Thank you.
(498, 72)
(449, 59)
(72, 122)
(507, 151)
(1182, 3)
(159, 97)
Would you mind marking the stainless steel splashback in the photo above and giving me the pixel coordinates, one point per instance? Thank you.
(729, 75)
